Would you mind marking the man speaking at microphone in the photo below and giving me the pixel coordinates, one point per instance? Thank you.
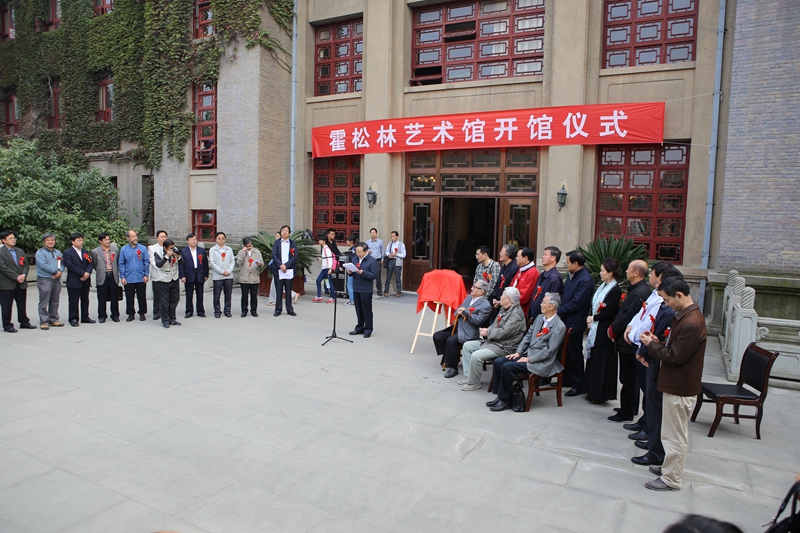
(363, 279)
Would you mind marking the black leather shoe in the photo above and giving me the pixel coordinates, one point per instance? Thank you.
(11, 330)
(174, 323)
(492, 402)
(500, 406)
(244, 315)
(276, 313)
(142, 318)
(88, 321)
(156, 317)
(217, 315)
(639, 435)
(27, 325)
(451, 373)
(291, 313)
(130, 318)
(73, 323)
(573, 392)
(617, 409)
(646, 460)
(642, 444)
(619, 418)
(188, 315)
(228, 315)
(165, 324)
(356, 332)
(201, 315)
(632, 427)
(367, 335)
(101, 320)
(114, 319)
(544, 382)
(254, 314)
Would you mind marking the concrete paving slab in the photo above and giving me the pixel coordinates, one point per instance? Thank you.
(152, 396)
(128, 422)
(534, 463)
(190, 443)
(11, 410)
(365, 456)
(209, 412)
(19, 466)
(42, 431)
(131, 516)
(76, 404)
(747, 510)
(339, 524)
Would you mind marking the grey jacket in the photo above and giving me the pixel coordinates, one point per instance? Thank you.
(100, 264)
(467, 330)
(506, 331)
(47, 263)
(166, 268)
(10, 269)
(248, 273)
(542, 352)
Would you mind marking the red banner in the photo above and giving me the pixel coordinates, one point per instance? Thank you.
(544, 126)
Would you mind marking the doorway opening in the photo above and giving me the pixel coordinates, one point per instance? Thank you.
(467, 223)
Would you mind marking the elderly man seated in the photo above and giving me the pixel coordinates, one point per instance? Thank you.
(469, 317)
(537, 353)
(501, 338)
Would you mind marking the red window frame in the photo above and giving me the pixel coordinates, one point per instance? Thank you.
(641, 194)
(101, 7)
(204, 224)
(203, 19)
(53, 8)
(54, 122)
(10, 121)
(204, 144)
(338, 57)
(337, 196)
(648, 32)
(7, 31)
(477, 40)
(105, 100)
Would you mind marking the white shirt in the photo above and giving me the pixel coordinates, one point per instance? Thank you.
(645, 318)
(284, 251)
(194, 255)
(78, 251)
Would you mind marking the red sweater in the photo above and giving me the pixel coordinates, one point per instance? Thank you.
(525, 282)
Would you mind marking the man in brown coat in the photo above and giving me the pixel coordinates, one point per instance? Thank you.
(679, 378)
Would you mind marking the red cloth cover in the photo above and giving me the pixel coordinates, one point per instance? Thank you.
(445, 286)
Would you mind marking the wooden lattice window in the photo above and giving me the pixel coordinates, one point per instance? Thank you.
(55, 107)
(338, 60)
(101, 7)
(9, 124)
(641, 194)
(204, 224)
(203, 19)
(105, 100)
(7, 31)
(648, 32)
(337, 195)
(477, 40)
(204, 144)
(53, 14)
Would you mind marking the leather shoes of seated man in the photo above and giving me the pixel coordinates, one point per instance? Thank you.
(574, 392)
(493, 402)
(633, 426)
(646, 460)
(500, 406)
(451, 373)
(639, 435)
(641, 444)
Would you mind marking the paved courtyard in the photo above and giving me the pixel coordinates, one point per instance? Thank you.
(249, 425)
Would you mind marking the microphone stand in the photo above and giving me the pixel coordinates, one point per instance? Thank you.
(333, 334)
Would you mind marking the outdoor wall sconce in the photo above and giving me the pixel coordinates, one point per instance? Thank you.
(372, 197)
(562, 197)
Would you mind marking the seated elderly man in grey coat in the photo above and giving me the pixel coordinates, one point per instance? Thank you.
(469, 317)
(537, 353)
(501, 338)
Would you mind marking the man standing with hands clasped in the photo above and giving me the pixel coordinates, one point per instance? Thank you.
(49, 270)
(364, 275)
(134, 267)
(13, 285)
(221, 260)
(106, 259)
(79, 268)
(249, 260)
(193, 272)
(284, 258)
(679, 378)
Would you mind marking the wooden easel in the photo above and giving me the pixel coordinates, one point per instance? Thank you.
(439, 305)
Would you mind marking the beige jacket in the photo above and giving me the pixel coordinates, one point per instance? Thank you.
(249, 266)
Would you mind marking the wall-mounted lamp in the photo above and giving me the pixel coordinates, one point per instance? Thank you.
(562, 197)
(372, 197)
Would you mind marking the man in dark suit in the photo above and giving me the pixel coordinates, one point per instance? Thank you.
(638, 292)
(577, 299)
(106, 271)
(13, 285)
(193, 271)
(469, 318)
(363, 279)
(284, 259)
(79, 265)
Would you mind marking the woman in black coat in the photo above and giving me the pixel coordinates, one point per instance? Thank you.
(601, 367)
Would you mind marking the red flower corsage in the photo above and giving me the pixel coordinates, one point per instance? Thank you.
(139, 255)
(499, 317)
(538, 292)
(644, 310)
(601, 306)
(112, 256)
(199, 259)
(545, 331)
(622, 298)
(86, 256)
(652, 323)
(471, 309)
(291, 252)
(223, 255)
(250, 261)
(610, 333)
(58, 258)
(21, 261)
(666, 333)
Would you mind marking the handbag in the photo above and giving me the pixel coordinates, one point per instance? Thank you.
(119, 292)
(517, 397)
(790, 524)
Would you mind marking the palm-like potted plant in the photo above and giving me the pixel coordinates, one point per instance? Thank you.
(306, 252)
(624, 250)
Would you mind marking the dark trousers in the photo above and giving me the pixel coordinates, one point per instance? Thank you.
(574, 371)
(654, 407)
(395, 271)
(363, 301)
(447, 345)
(76, 297)
(284, 286)
(107, 292)
(641, 377)
(7, 299)
(226, 286)
(169, 294)
(140, 291)
(629, 395)
(378, 284)
(504, 373)
(195, 287)
(156, 302)
(251, 290)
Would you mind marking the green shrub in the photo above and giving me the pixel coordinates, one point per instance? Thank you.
(623, 250)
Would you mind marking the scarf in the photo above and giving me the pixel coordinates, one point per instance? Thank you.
(597, 299)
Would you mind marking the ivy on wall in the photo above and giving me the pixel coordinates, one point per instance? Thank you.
(147, 49)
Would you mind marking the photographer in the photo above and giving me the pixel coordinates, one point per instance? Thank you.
(165, 282)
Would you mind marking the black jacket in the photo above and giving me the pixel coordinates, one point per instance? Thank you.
(638, 293)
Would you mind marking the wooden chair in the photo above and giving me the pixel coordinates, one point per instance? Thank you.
(533, 379)
(754, 371)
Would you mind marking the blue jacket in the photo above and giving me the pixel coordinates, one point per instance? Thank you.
(134, 267)
(276, 256)
(576, 300)
(47, 262)
(364, 282)
(549, 281)
(186, 267)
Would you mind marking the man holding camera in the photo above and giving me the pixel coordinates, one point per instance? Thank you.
(165, 282)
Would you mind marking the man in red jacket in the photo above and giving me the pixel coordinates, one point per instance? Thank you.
(526, 277)
(679, 379)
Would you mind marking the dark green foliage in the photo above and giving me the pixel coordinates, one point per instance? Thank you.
(623, 250)
(306, 251)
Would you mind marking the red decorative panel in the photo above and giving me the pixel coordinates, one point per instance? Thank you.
(337, 194)
(338, 63)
